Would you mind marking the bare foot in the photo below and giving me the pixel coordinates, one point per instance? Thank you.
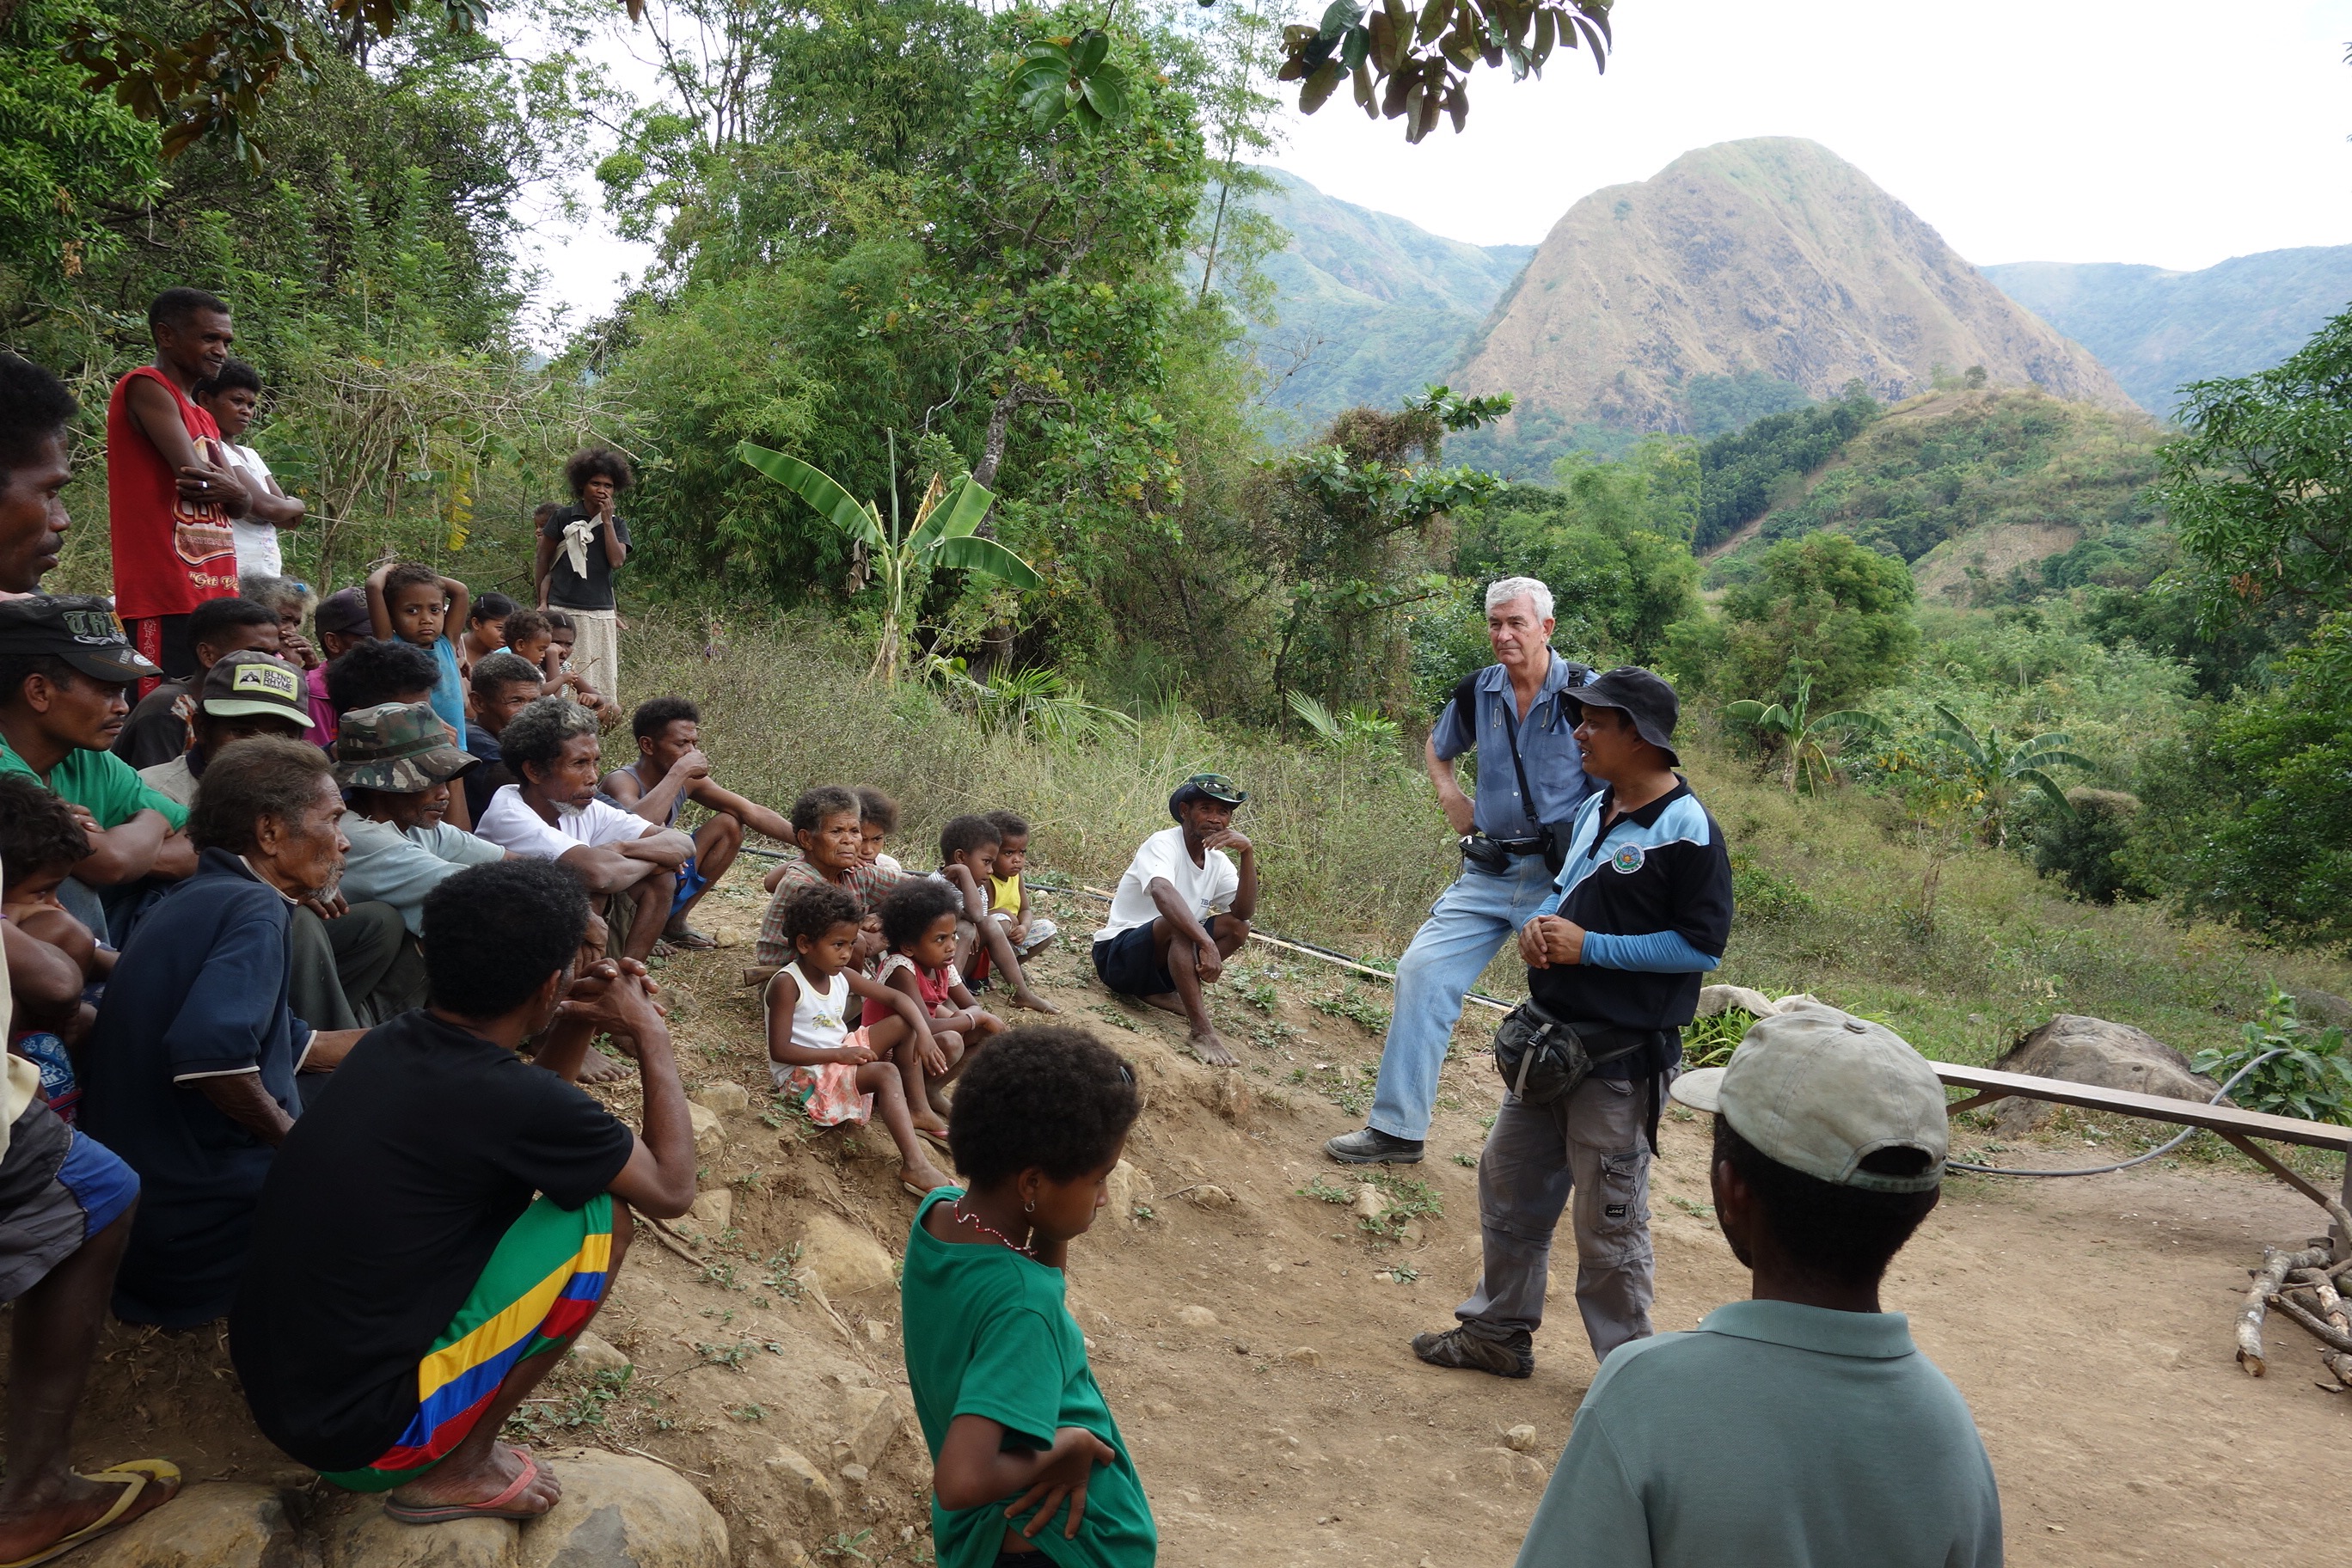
(1035, 1002)
(1205, 1044)
(1166, 1001)
(924, 1177)
(935, 1123)
(938, 1098)
(78, 1504)
(445, 1486)
(598, 1068)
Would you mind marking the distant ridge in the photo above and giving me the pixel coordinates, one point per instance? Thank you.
(1378, 307)
(2157, 330)
(1771, 257)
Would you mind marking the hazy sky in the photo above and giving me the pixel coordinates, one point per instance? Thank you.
(2150, 131)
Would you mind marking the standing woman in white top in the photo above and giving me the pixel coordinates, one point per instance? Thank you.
(1164, 938)
(830, 1070)
(232, 398)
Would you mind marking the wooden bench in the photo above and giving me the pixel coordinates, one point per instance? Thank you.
(2236, 1127)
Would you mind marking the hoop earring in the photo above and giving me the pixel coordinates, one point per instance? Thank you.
(1029, 1208)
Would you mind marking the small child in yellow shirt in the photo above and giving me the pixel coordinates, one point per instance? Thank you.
(1009, 904)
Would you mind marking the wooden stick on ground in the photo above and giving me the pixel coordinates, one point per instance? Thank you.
(2276, 1267)
(2303, 1315)
(2331, 1308)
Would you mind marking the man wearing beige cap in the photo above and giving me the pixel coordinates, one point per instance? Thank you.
(1802, 1425)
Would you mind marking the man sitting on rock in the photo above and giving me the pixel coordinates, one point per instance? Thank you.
(671, 769)
(407, 1290)
(1803, 1426)
(1161, 942)
(552, 814)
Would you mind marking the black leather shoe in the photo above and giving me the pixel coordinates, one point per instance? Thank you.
(1466, 1352)
(1373, 1147)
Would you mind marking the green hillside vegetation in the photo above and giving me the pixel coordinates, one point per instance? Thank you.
(1953, 464)
(1367, 307)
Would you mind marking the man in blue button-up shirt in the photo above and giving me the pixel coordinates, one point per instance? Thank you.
(1504, 880)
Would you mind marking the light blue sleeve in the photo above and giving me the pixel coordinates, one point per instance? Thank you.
(1651, 953)
(1592, 1515)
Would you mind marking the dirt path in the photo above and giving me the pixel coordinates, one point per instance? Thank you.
(2088, 1324)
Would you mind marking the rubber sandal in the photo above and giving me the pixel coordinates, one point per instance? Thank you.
(937, 1137)
(688, 939)
(499, 1507)
(136, 1475)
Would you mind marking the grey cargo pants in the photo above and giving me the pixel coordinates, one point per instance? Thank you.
(1592, 1147)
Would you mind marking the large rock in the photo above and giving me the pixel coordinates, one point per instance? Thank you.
(803, 1483)
(1714, 999)
(213, 1524)
(2095, 1051)
(843, 1259)
(709, 1136)
(726, 1099)
(620, 1512)
(1128, 1185)
(363, 1536)
(713, 1211)
(869, 1419)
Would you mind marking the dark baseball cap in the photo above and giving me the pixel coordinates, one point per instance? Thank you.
(79, 629)
(345, 612)
(256, 686)
(1640, 696)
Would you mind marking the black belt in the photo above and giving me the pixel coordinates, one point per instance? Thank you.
(1601, 1039)
(1521, 847)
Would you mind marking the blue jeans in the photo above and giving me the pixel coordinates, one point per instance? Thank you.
(1467, 927)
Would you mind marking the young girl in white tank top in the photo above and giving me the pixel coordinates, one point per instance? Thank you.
(819, 1063)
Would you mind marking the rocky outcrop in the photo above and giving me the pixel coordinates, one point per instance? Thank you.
(210, 1524)
(1772, 255)
(2091, 1050)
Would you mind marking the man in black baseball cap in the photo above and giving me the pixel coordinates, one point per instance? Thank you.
(1639, 911)
(65, 673)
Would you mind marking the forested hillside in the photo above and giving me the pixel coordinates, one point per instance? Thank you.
(2158, 330)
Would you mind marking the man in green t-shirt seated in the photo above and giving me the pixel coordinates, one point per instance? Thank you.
(1802, 1425)
(65, 673)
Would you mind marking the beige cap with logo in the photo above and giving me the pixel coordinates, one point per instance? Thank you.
(1819, 1090)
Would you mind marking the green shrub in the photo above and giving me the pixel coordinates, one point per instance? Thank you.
(2084, 849)
(1760, 895)
(2313, 1079)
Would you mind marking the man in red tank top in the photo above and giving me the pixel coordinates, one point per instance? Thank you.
(170, 489)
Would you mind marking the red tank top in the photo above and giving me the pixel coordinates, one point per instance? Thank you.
(170, 554)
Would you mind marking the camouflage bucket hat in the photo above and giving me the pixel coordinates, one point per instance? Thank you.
(400, 748)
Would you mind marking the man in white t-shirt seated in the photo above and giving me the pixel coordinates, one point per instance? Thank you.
(552, 814)
(1164, 939)
(232, 396)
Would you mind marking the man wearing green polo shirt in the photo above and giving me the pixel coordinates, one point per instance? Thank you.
(65, 673)
(1803, 1426)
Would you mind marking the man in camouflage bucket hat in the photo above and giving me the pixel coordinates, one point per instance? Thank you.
(394, 761)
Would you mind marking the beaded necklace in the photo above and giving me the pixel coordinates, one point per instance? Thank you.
(1028, 1250)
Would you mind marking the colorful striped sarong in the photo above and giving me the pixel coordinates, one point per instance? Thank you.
(541, 1285)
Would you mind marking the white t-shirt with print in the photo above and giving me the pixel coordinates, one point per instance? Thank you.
(1203, 888)
(510, 823)
(257, 541)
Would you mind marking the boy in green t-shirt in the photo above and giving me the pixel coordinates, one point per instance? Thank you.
(1016, 1425)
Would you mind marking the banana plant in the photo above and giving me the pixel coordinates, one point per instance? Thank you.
(940, 538)
(1801, 730)
(2001, 768)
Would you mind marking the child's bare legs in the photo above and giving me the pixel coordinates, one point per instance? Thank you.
(1008, 964)
(966, 1036)
(894, 1040)
(881, 1079)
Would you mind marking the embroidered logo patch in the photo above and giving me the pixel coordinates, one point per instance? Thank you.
(1628, 859)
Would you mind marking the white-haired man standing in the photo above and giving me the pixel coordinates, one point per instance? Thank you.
(1531, 780)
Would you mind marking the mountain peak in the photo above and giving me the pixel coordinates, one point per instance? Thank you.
(1767, 256)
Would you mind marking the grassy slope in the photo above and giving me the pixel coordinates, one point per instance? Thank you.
(1352, 857)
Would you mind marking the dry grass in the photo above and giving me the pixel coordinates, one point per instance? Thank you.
(1352, 858)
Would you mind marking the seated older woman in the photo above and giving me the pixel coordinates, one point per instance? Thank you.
(192, 1066)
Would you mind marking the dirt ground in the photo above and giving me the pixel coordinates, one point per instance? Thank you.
(2087, 1323)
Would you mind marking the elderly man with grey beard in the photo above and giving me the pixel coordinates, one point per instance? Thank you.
(1517, 715)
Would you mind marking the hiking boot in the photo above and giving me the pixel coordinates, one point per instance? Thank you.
(1461, 1349)
(1373, 1147)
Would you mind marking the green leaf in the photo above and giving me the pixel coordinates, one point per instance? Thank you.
(1320, 87)
(1106, 91)
(957, 515)
(1092, 47)
(814, 486)
(1434, 17)
(1342, 16)
(988, 558)
(1353, 47)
